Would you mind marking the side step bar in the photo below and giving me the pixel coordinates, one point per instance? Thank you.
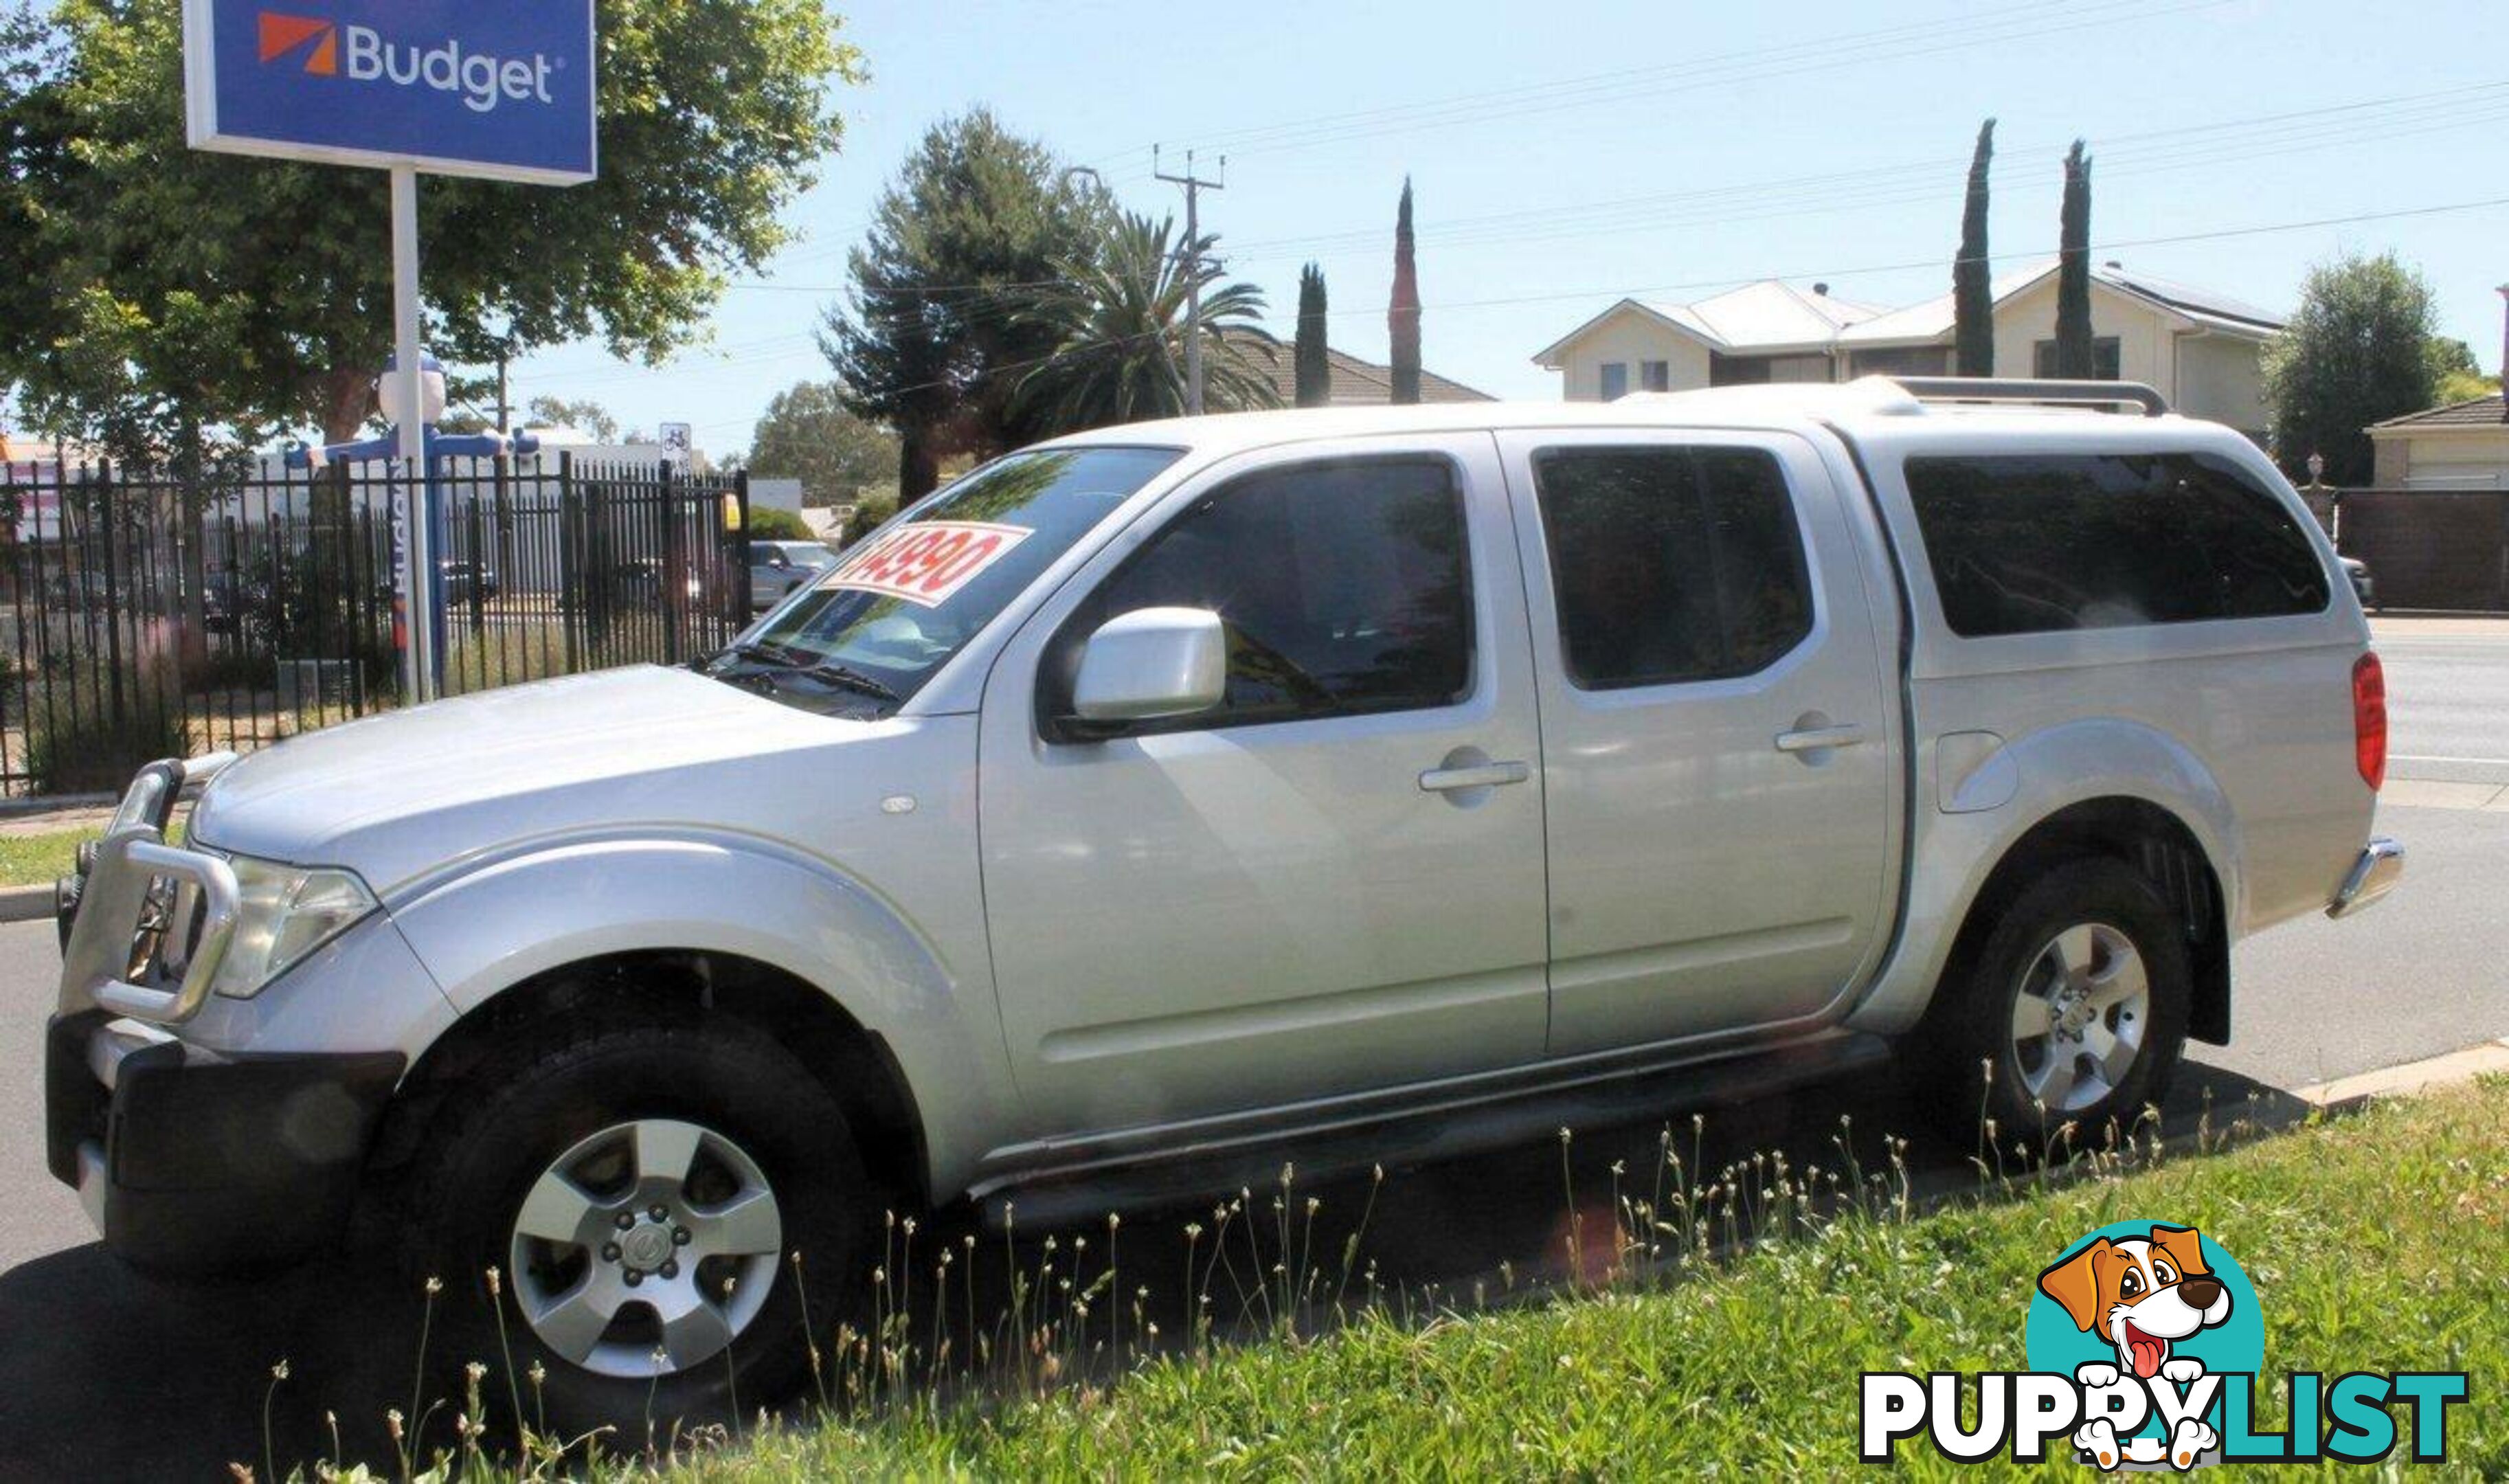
(1055, 1200)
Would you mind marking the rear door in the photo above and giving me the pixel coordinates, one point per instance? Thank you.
(1333, 882)
(1715, 731)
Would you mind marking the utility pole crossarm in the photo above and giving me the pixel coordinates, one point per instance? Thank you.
(1194, 185)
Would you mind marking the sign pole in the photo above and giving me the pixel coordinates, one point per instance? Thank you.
(418, 547)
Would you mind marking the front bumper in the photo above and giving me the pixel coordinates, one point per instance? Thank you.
(192, 1165)
(2378, 872)
(190, 1160)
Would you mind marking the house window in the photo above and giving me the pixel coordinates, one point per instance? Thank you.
(2107, 362)
(1654, 375)
(1901, 361)
(1616, 380)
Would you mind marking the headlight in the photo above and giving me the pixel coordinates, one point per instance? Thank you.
(287, 911)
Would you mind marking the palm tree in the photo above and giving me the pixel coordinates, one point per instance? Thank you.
(1121, 325)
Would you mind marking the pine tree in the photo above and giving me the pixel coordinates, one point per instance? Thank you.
(2074, 359)
(1972, 274)
(1313, 365)
(1402, 316)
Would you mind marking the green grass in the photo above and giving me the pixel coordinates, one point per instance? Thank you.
(38, 860)
(2376, 1242)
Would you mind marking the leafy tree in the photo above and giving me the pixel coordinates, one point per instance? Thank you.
(148, 291)
(1314, 363)
(1120, 326)
(808, 434)
(2076, 360)
(1972, 272)
(967, 240)
(2455, 375)
(1403, 316)
(585, 417)
(2356, 352)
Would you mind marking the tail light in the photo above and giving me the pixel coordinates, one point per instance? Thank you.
(2370, 719)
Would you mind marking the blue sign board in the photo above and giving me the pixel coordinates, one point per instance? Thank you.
(499, 88)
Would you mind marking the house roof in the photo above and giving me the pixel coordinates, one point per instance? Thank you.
(1762, 317)
(1773, 318)
(2481, 412)
(1356, 383)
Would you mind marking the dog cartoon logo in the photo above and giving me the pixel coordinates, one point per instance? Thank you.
(2146, 1297)
(2146, 1349)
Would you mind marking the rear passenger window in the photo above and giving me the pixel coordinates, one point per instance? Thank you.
(1672, 563)
(1345, 587)
(2029, 543)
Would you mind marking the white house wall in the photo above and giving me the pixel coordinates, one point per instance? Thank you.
(1631, 338)
(2222, 379)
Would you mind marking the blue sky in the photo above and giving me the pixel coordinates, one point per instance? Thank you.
(1665, 149)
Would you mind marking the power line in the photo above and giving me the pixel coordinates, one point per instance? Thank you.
(1760, 64)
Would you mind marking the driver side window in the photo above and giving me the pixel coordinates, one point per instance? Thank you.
(1344, 585)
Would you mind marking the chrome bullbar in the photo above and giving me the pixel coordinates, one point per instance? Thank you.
(126, 947)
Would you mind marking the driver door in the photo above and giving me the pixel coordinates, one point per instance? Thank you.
(1283, 899)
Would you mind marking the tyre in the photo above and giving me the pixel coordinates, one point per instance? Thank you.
(641, 1189)
(2069, 1008)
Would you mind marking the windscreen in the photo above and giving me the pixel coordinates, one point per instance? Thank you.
(895, 607)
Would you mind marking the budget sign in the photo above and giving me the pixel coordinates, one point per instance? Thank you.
(501, 89)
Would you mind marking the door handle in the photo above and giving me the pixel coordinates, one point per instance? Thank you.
(1488, 775)
(1815, 739)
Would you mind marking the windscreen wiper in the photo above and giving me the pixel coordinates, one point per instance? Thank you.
(851, 679)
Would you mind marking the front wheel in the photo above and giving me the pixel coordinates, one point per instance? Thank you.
(642, 1190)
(2071, 1009)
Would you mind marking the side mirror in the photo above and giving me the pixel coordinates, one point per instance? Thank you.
(1150, 665)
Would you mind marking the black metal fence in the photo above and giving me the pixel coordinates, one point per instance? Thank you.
(143, 615)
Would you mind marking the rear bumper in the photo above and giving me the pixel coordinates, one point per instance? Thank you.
(193, 1165)
(2376, 874)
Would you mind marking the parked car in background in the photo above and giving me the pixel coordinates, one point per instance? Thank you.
(776, 567)
(2364, 586)
(461, 582)
(1155, 806)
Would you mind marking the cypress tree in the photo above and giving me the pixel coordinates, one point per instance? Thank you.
(1972, 276)
(1314, 366)
(2073, 360)
(1403, 317)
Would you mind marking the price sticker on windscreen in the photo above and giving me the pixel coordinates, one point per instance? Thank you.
(928, 562)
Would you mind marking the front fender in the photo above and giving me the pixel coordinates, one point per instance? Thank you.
(494, 924)
(1953, 854)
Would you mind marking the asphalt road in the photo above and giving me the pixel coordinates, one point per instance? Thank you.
(109, 1375)
(2448, 698)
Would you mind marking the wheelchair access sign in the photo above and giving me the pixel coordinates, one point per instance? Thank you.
(499, 89)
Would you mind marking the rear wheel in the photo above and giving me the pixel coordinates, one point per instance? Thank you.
(2072, 1007)
(642, 1190)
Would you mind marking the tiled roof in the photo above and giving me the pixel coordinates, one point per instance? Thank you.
(1356, 383)
(2482, 411)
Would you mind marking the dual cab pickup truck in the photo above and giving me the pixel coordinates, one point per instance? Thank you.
(1181, 792)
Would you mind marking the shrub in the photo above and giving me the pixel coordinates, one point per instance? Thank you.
(866, 517)
(78, 741)
(772, 525)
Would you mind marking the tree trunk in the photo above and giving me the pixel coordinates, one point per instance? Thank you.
(348, 400)
(919, 465)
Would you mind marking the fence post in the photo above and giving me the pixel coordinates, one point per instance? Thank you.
(571, 582)
(112, 601)
(675, 563)
(742, 553)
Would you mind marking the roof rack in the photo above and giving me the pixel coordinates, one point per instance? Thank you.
(1989, 389)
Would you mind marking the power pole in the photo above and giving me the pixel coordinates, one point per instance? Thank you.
(1194, 186)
